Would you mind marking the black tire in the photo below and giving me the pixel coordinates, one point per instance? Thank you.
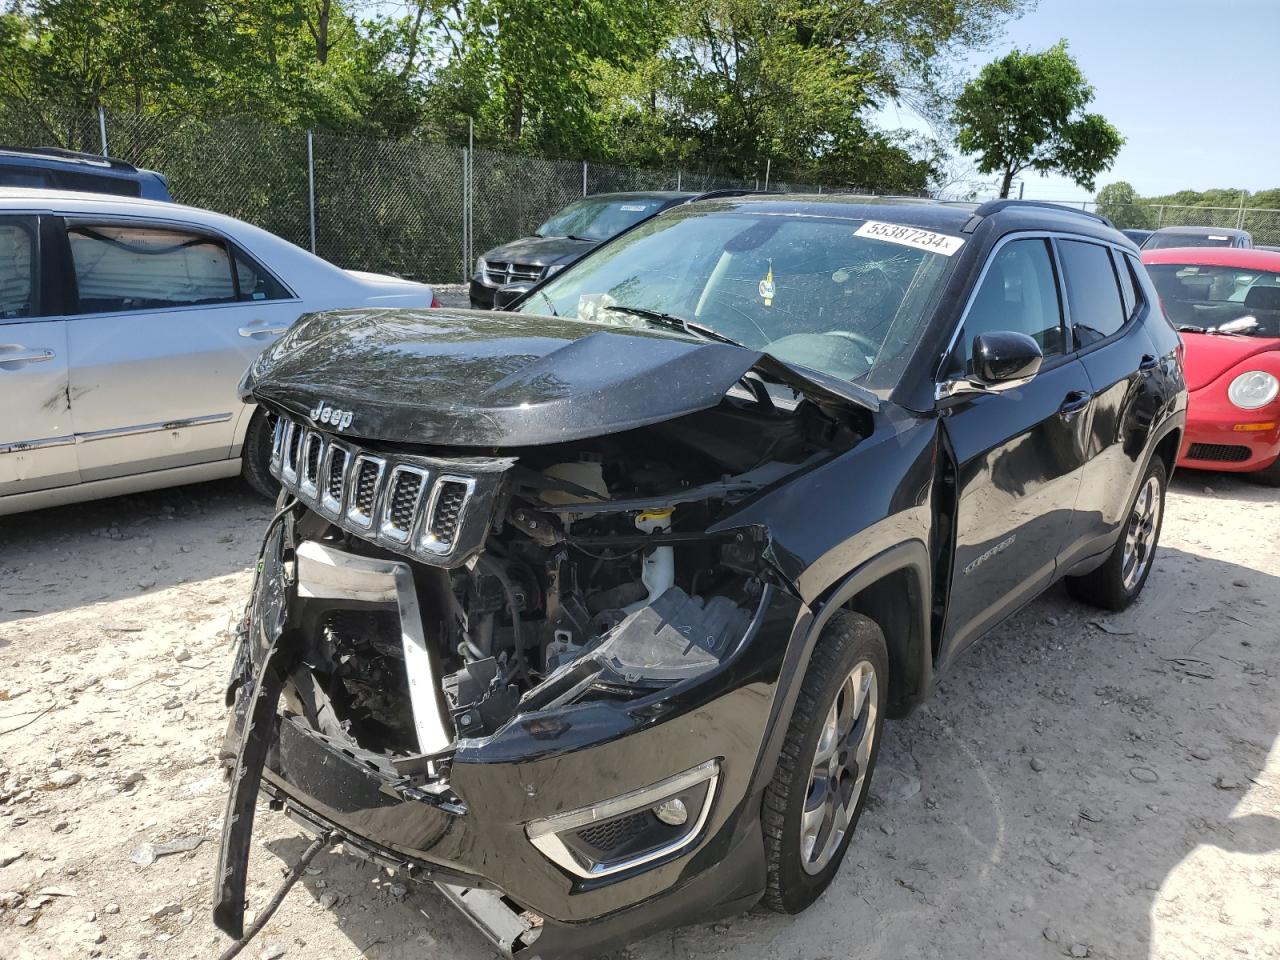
(846, 642)
(255, 462)
(1267, 476)
(1106, 586)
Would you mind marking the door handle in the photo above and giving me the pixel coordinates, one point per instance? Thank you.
(1148, 362)
(25, 356)
(1074, 403)
(255, 331)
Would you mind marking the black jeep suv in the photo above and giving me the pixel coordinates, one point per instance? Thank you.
(591, 613)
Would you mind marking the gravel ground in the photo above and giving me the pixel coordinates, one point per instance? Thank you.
(1081, 785)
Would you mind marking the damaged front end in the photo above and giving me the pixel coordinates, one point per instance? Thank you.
(540, 675)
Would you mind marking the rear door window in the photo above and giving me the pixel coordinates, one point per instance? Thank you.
(125, 267)
(17, 269)
(1093, 293)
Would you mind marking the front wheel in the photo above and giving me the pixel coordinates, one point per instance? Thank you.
(1117, 583)
(255, 462)
(820, 785)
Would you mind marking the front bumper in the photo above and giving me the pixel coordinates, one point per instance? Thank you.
(474, 835)
(481, 294)
(1221, 436)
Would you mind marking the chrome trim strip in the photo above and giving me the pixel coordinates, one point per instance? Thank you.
(334, 574)
(328, 504)
(426, 540)
(545, 834)
(152, 427)
(388, 529)
(355, 516)
(289, 459)
(44, 443)
(309, 486)
(277, 443)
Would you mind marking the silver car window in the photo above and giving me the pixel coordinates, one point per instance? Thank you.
(144, 268)
(17, 272)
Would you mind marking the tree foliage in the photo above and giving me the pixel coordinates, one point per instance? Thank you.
(731, 84)
(1025, 111)
(1120, 202)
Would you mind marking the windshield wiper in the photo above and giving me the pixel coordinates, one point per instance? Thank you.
(550, 303)
(675, 323)
(574, 236)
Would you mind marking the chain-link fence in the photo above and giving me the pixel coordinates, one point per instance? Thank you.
(408, 207)
(1263, 224)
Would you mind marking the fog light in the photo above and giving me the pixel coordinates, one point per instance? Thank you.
(672, 812)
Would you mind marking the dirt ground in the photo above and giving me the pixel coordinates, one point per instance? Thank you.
(1081, 785)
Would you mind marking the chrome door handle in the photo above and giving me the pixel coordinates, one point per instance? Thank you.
(25, 356)
(254, 331)
(1074, 403)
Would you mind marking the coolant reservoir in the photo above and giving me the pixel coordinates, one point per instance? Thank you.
(659, 570)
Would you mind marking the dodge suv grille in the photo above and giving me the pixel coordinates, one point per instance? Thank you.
(498, 274)
(434, 509)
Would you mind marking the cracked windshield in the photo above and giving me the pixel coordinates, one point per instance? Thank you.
(808, 290)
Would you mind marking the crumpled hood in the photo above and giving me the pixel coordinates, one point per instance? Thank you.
(541, 251)
(1209, 356)
(471, 378)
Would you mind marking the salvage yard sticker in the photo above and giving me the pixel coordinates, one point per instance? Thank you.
(910, 237)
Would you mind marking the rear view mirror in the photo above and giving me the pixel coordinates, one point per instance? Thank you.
(1002, 360)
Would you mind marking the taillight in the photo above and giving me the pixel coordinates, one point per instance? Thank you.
(435, 301)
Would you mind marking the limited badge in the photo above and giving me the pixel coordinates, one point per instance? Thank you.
(767, 288)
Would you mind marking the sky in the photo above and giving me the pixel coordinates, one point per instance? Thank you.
(1192, 85)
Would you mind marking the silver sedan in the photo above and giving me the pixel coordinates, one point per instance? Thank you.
(125, 326)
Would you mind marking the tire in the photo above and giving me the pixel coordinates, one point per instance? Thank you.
(799, 871)
(255, 462)
(1113, 586)
(1267, 476)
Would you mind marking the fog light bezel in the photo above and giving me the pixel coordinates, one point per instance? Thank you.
(548, 835)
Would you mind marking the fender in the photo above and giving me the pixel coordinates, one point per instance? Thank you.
(911, 556)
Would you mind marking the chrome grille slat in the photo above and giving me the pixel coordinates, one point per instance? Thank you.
(404, 496)
(498, 274)
(366, 478)
(277, 442)
(309, 467)
(444, 512)
(335, 479)
(292, 443)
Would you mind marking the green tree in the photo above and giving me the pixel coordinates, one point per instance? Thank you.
(1121, 203)
(1025, 111)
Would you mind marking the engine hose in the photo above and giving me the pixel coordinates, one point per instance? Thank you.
(495, 568)
(320, 843)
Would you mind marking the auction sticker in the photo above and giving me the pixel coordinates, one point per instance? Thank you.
(910, 237)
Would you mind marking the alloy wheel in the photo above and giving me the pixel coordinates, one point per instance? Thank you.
(839, 768)
(1140, 535)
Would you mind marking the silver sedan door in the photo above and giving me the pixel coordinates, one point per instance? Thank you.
(37, 448)
(159, 344)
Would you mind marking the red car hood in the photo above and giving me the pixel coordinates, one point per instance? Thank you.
(1209, 356)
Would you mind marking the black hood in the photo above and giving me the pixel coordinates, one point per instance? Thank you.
(541, 251)
(476, 379)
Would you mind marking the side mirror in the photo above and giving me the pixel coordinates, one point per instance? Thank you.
(509, 294)
(1002, 360)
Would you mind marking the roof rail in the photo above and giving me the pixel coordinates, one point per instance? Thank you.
(995, 206)
(726, 192)
(77, 156)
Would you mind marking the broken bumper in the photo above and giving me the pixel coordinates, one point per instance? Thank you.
(477, 840)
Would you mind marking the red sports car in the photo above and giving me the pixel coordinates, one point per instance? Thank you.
(1226, 303)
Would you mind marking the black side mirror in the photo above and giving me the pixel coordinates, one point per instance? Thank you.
(1002, 360)
(509, 294)
(1004, 356)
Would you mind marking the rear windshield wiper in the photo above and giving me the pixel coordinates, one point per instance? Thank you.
(674, 322)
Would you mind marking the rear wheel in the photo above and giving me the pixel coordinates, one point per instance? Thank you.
(1117, 583)
(818, 790)
(255, 463)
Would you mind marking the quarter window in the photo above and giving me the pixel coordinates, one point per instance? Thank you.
(256, 283)
(17, 271)
(146, 268)
(1097, 310)
(1019, 294)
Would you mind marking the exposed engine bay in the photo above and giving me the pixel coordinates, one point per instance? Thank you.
(606, 567)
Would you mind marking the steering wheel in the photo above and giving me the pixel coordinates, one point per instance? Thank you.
(861, 339)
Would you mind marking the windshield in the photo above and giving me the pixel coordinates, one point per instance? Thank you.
(596, 218)
(837, 295)
(1206, 297)
(1161, 241)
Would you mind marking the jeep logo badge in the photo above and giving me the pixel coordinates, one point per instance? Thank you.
(338, 419)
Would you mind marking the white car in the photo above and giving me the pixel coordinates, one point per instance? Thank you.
(125, 326)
